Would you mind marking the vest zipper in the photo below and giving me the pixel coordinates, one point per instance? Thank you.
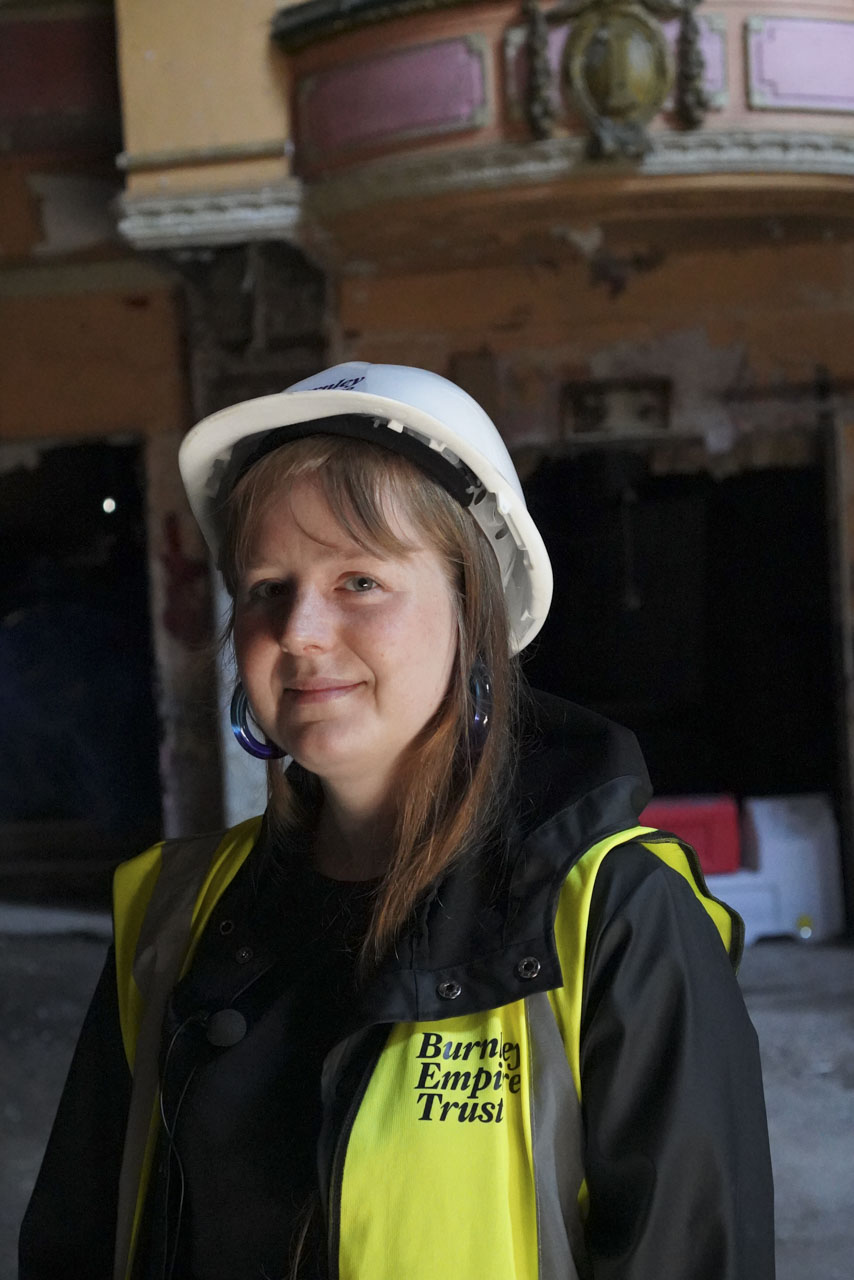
(336, 1177)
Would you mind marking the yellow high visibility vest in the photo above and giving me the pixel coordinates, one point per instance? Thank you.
(463, 1157)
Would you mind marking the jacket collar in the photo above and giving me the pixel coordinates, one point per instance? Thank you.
(579, 779)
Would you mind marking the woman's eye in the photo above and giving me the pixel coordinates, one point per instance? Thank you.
(360, 583)
(267, 590)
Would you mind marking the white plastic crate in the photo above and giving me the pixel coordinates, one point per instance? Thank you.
(791, 880)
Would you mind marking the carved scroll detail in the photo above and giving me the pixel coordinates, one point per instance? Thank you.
(617, 69)
(539, 106)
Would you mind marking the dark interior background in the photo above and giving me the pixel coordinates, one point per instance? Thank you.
(697, 612)
(78, 727)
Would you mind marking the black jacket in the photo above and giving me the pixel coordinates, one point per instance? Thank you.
(676, 1152)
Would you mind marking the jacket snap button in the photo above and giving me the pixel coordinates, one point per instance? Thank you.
(449, 990)
(242, 954)
(528, 968)
(226, 927)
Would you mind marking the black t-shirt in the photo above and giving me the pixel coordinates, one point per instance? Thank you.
(281, 951)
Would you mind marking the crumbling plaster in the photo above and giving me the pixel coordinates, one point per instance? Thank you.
(741, 334)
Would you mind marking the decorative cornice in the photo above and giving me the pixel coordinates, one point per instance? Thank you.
(507, 164)
(299, 25)
(209, 218)
(433, 173)
(748, 152)
(274, 212)
(176, 158)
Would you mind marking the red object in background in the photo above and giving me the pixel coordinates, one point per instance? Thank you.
(709, 823)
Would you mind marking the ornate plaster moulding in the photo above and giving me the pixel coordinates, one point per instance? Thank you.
(747, 152)
(509, 164)
(277, 212)
(212, 218)
(296, 26)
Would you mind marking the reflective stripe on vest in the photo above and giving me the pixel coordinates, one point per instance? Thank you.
(162, 901)
(465, 1155)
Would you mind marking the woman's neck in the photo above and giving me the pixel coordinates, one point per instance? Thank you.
(352, 841)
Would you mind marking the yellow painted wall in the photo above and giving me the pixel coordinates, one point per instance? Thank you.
(199, 74)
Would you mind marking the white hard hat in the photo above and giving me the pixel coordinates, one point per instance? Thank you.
(426, 417)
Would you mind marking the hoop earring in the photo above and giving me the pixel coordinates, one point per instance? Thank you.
(480, 689)
(239, 722)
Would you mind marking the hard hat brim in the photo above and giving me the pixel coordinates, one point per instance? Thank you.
(206, 453)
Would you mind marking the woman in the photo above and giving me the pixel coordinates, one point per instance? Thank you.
(447, 1009)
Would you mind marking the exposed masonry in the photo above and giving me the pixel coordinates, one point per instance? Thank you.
(257, 323)
(722, 416)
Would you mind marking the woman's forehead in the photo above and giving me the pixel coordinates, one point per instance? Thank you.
(383, 525)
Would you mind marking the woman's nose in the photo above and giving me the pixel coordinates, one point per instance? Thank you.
(304, 622)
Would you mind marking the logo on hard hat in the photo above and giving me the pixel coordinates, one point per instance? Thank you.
(343, 384)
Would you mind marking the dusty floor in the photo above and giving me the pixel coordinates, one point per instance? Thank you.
(801, 999)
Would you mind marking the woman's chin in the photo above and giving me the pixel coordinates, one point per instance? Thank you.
(325, 754)
(344, 760)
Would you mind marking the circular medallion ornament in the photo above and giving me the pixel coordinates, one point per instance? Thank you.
(617, 69)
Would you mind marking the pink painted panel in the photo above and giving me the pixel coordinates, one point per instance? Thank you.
(712, 45)
(420, 91)
(800, 64)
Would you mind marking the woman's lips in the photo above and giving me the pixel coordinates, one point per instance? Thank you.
(313, 693)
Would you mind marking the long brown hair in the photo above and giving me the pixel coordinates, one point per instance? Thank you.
(453, 787)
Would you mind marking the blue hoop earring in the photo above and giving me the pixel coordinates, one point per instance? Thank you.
(239, 718)
(480, 688)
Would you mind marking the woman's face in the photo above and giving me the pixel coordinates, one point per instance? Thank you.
(344, 654)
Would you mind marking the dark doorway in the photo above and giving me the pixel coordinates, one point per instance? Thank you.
(697, 612)
(79, 781)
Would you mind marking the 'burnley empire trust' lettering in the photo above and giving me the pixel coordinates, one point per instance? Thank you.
(465, 1093)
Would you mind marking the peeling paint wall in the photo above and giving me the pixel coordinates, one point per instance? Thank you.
(95, 350)
(60, 126)
(181, 608)
(739, 334)
(89, 350)
(750, 339)
(257, 322)
(75, 212)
